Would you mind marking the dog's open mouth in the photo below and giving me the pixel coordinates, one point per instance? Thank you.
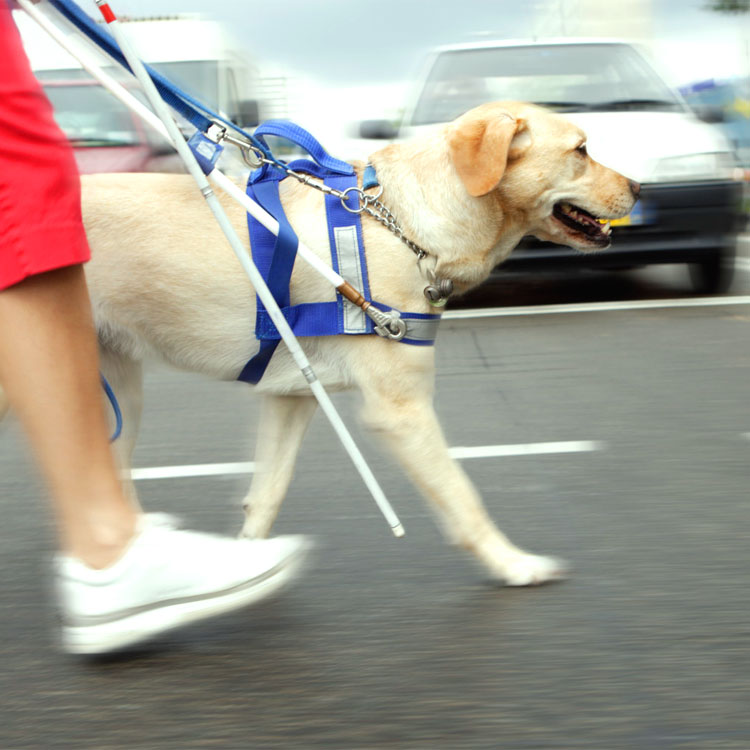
(584, 224)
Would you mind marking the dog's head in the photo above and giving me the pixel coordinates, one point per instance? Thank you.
(534, 162)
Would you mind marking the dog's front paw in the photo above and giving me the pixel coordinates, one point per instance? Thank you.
(255, 527)
(532, 570)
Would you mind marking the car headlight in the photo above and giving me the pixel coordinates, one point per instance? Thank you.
(690, 167)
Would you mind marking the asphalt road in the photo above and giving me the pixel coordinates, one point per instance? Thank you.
(403, 643)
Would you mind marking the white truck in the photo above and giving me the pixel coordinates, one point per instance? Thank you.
(197, 55)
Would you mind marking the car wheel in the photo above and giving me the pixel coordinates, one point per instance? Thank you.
(714, 274)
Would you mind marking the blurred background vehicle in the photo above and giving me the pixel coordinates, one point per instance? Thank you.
(105, 135)
(636, 122)
(196, 54)
(726, 103)
(689, 211)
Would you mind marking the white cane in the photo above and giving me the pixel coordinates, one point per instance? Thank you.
(391, 327)
(167, 126)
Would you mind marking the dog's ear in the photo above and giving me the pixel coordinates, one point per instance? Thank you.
(480, 148)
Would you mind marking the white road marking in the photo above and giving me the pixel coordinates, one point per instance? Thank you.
(478, 451)
(502, 312)
(528, 449)
(194, 470)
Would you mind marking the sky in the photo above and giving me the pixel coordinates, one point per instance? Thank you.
(343, 43)
(348, 61)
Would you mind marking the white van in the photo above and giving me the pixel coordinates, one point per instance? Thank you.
(636, 124)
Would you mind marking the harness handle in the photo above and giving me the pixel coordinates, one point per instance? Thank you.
(300, 137)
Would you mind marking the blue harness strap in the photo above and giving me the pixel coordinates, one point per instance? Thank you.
(275, 256)
(299, 136)
(347, 255)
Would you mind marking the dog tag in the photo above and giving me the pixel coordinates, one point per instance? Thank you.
(205, 151)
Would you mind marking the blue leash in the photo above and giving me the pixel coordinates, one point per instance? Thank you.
(115, 408)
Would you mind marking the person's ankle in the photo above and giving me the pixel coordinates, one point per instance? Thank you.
(102, 543)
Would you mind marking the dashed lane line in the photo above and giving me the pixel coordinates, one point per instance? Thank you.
(459, 452)
(583, 307)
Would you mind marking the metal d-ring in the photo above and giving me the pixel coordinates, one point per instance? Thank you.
(344, 197)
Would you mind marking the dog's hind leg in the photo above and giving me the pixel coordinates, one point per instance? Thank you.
(407, 422)
(283, 423)
(125, 377)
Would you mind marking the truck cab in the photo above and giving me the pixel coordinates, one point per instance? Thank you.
(197, 55)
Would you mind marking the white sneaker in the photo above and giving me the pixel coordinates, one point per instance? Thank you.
(168, 578)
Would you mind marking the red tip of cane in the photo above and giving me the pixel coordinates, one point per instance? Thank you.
(109, 16)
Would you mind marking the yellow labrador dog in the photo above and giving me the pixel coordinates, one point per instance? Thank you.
(165, 284)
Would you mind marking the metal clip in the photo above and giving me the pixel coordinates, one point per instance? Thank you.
(438, 290)
(217, 133)
(388, 325)
(251, 156)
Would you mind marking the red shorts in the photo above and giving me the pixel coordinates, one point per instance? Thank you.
(40, 195)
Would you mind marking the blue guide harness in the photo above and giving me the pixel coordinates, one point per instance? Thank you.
(274, 256)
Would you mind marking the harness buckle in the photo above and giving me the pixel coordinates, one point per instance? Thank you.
(388, 325)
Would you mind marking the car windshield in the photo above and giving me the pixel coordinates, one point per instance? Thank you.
(565, 77)
(88, 114)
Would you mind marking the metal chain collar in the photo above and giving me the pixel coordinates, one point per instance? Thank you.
(438, 290)
(368, 204)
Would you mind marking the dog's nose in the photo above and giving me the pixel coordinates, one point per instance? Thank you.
(635, 188)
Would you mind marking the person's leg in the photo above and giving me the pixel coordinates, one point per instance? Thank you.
(48, 349)
(49, 370)
(121, 577)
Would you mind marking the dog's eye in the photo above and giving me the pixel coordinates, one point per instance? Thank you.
(582, 150)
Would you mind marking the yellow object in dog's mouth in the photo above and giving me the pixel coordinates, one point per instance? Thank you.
(582, 222)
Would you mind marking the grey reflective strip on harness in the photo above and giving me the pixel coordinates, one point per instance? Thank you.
(350, 267)
(420, 329)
